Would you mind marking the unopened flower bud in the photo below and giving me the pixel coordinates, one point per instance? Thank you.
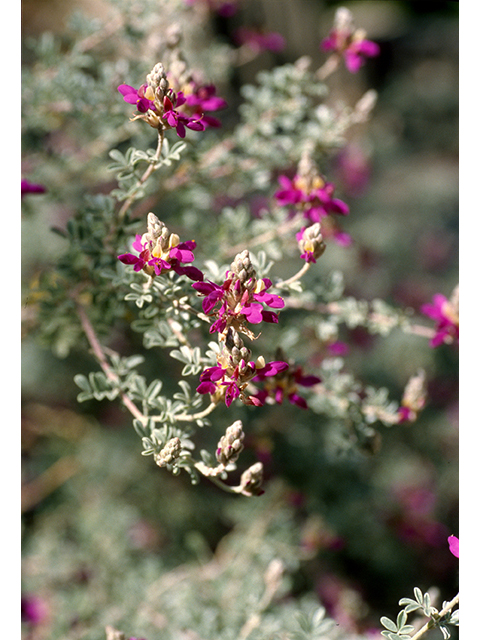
(242, 266)
(231, 444)
(252, 479)
(154, 227)
(306, 166)
(157, 77)
(169, 453)
(310, 243)
(343, 20)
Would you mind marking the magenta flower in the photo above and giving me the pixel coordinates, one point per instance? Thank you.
(349, 43)
(161, 113)
(314, 197)
(352, 48)
(34, 610)
(445, 314)
(176, 119)
(218, 381)
(238, 302)
(285, 385)
(338, 348)
(31, 187)
(158, 261)
(454, 545)
(203, 99)
(143, 98)
(259, 40)
(159, 251)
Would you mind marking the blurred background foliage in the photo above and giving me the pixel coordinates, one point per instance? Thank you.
(109, 538)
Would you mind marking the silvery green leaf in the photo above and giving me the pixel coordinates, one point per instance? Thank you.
(388, 624)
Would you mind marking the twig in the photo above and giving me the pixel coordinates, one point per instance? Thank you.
(329, 66)
(294, 278)
(185, 417)
(100, 356)
(432, 622)
(334, 309)
(38, 489)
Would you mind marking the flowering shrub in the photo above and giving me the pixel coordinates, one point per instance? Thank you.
(230, 353)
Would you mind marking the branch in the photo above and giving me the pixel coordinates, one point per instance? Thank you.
(433, 621)
(100, 356)
(294, 278)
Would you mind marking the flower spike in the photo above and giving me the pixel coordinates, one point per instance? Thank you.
(160, 251)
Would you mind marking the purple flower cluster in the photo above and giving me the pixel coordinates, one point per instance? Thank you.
(237, 302)
(160, 251)
(230, 382)
(312, 196)
(239, 299)
(283, 385)
(349, 43)
(168, 113)
(203, 98)
(179, 110)
(445, 314)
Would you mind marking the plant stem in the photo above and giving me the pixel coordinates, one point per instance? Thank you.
(427, 626)
(150, 169)
(333, 308)
(329, 66)
(297, 276)
(185, 417)
(100, 356)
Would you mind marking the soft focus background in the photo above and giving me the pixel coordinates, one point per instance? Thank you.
(108, 537)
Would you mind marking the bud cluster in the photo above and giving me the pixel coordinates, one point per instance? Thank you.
(230, 445)
(251, 480)
(170, 452)
(160, 251)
